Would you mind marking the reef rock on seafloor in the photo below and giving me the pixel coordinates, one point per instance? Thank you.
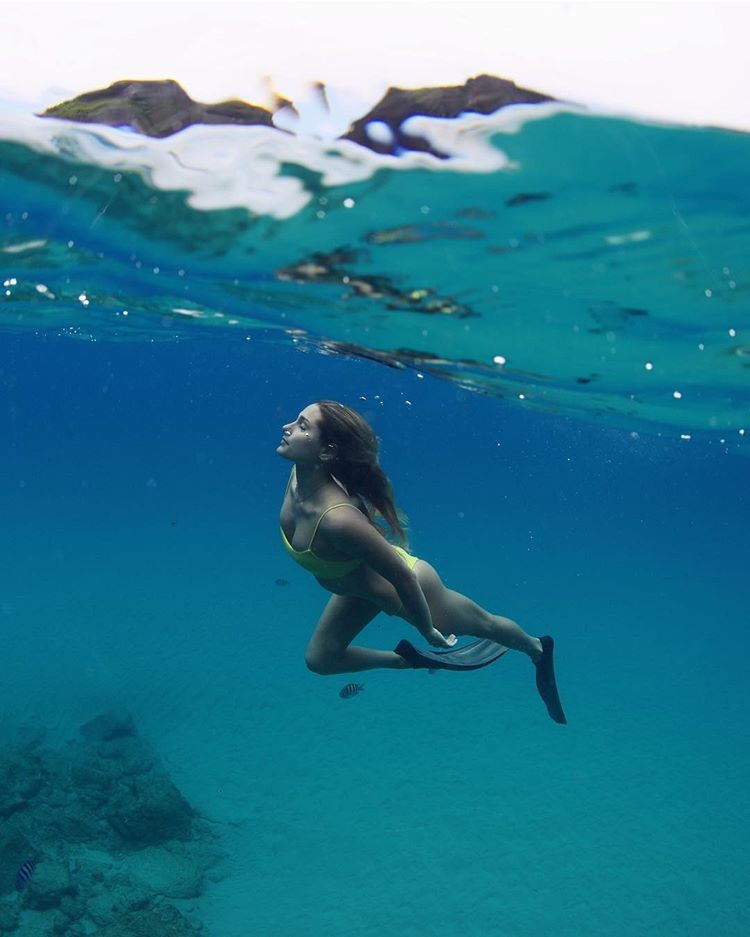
(109, 839)
(161, 108)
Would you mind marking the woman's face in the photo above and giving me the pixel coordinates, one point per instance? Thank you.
(301, 440)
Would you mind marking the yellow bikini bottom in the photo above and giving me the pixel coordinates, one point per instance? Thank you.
(411, 562)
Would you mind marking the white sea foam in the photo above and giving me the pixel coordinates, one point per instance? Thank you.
(242, 167)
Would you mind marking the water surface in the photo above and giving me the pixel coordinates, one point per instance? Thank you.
(568, 486)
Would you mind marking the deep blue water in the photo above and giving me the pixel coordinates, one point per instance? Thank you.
(140, 556)
(139, 495)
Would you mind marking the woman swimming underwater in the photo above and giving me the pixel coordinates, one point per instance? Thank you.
(335, 488)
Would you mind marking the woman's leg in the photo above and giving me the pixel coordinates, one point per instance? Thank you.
(453, 612)
(328, 651)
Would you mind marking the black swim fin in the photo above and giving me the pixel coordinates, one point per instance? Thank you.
(468, 657)
(546, 683)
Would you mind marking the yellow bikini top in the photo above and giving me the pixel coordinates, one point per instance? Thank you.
(323, 569)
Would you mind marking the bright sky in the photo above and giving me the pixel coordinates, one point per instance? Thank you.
(679, 61)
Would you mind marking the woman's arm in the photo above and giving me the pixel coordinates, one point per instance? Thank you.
(354, 535)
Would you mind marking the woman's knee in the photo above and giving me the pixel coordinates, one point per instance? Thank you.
(320, 661)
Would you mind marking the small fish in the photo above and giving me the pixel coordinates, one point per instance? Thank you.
(281, 582)
(350, 690)
(23, 875)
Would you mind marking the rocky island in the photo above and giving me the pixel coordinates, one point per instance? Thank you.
(162, 108)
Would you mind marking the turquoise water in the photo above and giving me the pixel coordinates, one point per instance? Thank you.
(568, 488)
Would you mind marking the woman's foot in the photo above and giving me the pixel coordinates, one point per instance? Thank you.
(545, 680)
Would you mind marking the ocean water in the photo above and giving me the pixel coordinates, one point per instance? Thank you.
(549, 331)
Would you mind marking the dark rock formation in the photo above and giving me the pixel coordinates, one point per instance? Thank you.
(155, 108)
(161, 108)
(113, 837)
(337, 267)
(21, 778)
(15, 848)
(482, 95)
(107, 726)
(50, 885)
(150, 813)
(10, 916)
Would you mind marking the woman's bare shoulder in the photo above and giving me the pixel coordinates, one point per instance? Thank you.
(354, 533)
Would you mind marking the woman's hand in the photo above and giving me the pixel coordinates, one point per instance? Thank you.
(436, 639)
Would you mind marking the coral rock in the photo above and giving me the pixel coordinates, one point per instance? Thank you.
(50, 883)
(108, 726)
(147, 814)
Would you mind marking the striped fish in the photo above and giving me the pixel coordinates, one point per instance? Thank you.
(350, 690)
(23, 875)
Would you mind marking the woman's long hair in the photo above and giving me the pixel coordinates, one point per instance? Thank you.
(355, 463)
